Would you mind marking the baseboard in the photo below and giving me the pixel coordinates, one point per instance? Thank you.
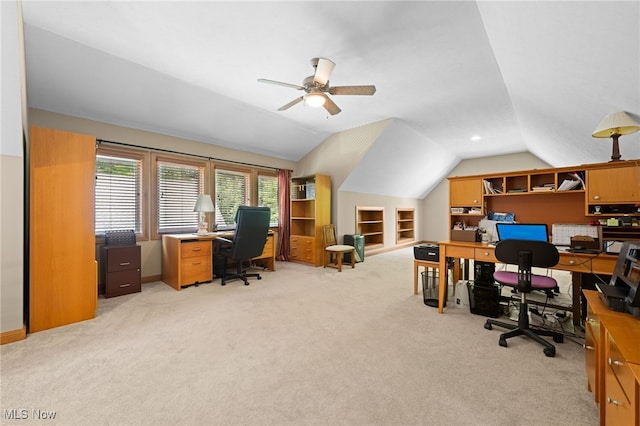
(372, 252)
(13, 335)
(151, 279)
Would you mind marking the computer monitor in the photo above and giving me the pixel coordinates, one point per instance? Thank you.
(522, 231)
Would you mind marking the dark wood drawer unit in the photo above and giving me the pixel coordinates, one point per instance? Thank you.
(121, 270)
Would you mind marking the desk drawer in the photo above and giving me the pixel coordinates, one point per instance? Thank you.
(617, 408)
(195, 249)
(121, 258)
(591, 357)
(196, 270)
(485, 254)
(461, 252)
(618, 366)
(122, 282)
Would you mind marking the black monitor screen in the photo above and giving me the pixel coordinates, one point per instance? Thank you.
(522, 231)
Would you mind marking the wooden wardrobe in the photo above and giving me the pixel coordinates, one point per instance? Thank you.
(63, 286)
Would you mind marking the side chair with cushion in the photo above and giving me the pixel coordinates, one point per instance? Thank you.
(252, 227)
(334, 250)
(526, 254)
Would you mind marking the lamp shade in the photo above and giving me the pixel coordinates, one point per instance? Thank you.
(618, 123)
(203, 204)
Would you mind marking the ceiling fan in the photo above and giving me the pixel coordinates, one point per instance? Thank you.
(317, 87)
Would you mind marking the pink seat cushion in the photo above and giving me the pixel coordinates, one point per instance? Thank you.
(537, 281)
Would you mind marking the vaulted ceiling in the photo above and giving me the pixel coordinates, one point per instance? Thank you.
(522, 76)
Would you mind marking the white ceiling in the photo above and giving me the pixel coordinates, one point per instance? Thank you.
(524, 76)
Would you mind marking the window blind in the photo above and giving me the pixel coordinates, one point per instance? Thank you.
(178, 188)
(118, 203)
(231, 191)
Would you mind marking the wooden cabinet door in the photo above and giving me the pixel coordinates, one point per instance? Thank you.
(63, 286)
(615, 185)
(465, 192)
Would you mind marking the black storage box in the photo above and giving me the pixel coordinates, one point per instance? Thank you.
(484, 299)
(125, 237)
(430, 252)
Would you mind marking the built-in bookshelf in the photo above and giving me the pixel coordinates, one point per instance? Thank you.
(405, 225)
(370, 224)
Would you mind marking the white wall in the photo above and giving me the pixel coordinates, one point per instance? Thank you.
(11, 169)
(435, 206)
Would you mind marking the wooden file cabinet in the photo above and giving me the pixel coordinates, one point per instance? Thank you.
(303, 249)
(612, 361)
(121, 270)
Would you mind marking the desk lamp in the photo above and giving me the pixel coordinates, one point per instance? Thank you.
(203, 205)
(613, 126)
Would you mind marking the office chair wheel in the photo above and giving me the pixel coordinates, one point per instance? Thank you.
(503, 342)
(259, 277)
(558, 339)
(488, 326)
(550, 352)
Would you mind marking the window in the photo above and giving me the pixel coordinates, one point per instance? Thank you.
(268, 195)
(178, 185)
(232, 189)
(119, 191)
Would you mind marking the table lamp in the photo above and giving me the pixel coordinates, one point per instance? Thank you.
(613, 126)
(203, 205)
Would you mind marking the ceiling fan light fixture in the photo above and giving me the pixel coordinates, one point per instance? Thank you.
(314, 99)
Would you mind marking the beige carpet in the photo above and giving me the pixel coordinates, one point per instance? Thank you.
(302, 346)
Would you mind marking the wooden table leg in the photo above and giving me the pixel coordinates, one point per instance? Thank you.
(442, 282)
(576, 287)
(415, 277)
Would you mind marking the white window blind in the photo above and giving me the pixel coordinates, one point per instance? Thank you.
(231, 191)
(178, 188)
(118, 203)
(268, 195)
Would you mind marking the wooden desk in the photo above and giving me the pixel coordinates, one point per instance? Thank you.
(188, 258)
(578, 263)
(612, 361)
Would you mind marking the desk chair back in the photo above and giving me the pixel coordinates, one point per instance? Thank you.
(252, 227)
(526, 254)
(250, 237)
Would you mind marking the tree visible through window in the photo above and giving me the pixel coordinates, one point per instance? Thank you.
(268, 195)
(232, 190)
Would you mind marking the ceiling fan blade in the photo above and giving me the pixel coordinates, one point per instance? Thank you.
(353, 90)
(323, 71)
(290, 104)
(330, 106)
(279, 83)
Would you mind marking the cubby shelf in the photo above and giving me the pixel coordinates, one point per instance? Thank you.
(405, 225)
(370, 224)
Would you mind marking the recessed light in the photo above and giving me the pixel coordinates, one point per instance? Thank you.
(475, 138)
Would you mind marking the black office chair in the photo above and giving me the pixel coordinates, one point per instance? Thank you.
(252, 227)
(526, 254)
